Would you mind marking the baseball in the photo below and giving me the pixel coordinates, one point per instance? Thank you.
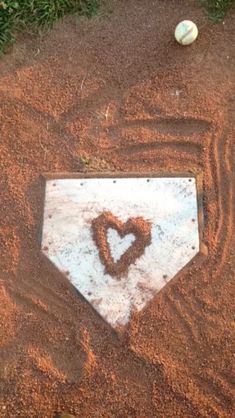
(186, 32)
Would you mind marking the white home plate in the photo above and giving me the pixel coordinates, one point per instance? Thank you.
(154, 234)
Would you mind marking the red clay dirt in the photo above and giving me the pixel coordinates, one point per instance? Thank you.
(117, 93)
(139, 227)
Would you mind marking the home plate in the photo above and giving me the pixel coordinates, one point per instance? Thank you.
(120, 240)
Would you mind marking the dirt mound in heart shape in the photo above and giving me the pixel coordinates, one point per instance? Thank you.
(138, 226)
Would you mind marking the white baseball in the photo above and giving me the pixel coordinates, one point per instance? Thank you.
(186, 32)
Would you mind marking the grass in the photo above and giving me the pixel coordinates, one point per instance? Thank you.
(217, 9)
(35, 14)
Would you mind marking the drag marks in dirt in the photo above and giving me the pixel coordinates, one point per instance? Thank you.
(221, 396)
(170, 146)
(212, 156)
(183, 145)
(220, 163)
(204, 150)
(124, 145)
(183, 320)
(37, 313)
(167, 126)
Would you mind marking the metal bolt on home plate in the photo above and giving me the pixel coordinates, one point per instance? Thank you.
(146, 230)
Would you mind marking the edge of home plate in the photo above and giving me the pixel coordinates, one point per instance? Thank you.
(172, 204)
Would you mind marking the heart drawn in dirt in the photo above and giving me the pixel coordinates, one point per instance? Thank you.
(138, 226)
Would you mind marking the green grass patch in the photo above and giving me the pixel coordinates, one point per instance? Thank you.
(217, 9)
(35, 14)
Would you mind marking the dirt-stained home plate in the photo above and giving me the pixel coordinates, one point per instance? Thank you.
(121, 239)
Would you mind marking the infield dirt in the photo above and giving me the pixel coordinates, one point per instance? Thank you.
(117, 93)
